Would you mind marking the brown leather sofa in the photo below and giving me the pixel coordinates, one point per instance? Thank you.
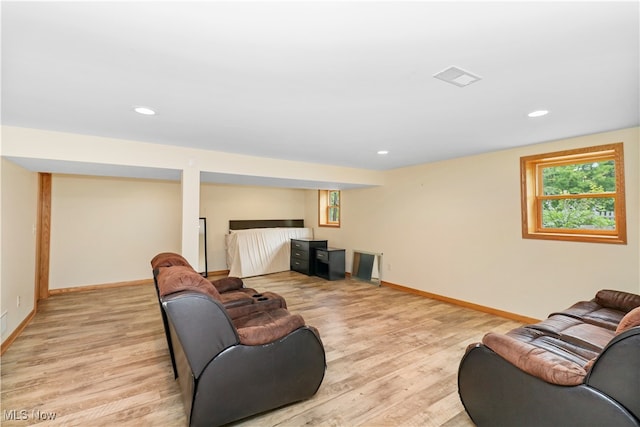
(579, 367)
(237, 300)
(229, 368)
(235, 297)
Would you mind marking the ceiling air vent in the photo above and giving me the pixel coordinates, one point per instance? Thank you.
(457, 76)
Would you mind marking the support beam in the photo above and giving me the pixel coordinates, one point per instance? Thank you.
(190, 213)
(43, 237)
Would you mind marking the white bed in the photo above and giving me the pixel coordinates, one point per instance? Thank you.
(258, 251)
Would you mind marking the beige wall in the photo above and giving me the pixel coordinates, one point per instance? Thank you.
(337, 237)
(28, 143)
(45, 151)
(450, 228)
(453, 228)
(106, 230)
(221, 203)
(19, 211)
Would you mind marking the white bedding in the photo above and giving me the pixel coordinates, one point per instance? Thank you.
(261, 250)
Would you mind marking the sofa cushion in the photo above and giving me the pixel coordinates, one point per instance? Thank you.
(575, 331)
(227, 284)
(618, 300)
(271, 303)
(182, 278)
(168, 259)
(264, 327)
(630, 320)
(555, 324)
(594, 313)
(536, 361)
(588, 336)
(235, 299)
(554, 344)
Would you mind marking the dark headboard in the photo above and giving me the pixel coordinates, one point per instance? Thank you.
(245, 224)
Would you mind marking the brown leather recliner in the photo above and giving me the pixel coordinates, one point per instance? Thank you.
(230, 369)
(235, 297)
(238, 301)
(223, 285)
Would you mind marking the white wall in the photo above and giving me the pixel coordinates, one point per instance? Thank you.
(453, 228)
(106, 230)
(221, 203)
(19, 211)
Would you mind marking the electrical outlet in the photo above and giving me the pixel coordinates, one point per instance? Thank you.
(389, 267)
(18, 301)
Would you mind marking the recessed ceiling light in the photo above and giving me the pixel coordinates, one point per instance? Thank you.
(538, 113)
(144, 110)
(383, 152)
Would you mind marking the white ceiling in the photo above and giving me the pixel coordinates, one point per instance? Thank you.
(323, 82)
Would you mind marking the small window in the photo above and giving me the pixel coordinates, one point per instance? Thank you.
(329, 208)
(574, 195)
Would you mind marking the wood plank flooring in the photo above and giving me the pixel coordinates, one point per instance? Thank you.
(98, 358)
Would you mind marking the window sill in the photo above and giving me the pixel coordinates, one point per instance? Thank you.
(590, 238)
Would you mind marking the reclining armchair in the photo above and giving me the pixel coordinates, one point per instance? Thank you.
(230, 369)
(236, 299)
(223, 285)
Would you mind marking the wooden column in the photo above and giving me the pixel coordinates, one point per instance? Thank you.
(43, 236)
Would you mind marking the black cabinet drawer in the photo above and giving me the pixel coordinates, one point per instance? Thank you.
(300, 265)
(300, 245)
(329, 263)
(322, 255)
(299, 253)
(303, 254)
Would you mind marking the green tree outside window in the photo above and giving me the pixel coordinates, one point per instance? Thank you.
(592, 178)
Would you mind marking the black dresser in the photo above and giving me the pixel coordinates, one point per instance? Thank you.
(303, 254)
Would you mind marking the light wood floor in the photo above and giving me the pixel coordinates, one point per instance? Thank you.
(100, 358)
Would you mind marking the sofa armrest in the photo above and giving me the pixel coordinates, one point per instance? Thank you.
(535, 361)
(264, 327)
(201, 325)
(630, 320)
(227, 284)
(616, 372)
(618, 300)
(494, 392)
